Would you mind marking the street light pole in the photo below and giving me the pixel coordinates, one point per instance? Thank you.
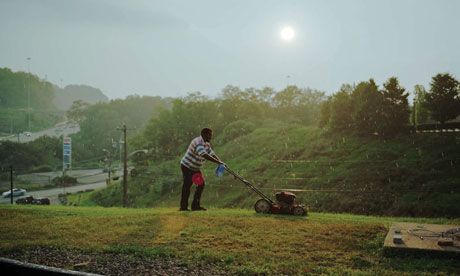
(109, 161)
(28, 94)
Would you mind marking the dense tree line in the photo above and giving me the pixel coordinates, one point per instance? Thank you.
(15, 90)
(99, 122)
(15, 87)
(42, 152)
(363, 109)
(165, 125)
(233, 113)
(366, 109)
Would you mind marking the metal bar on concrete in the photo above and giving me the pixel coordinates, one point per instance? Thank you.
(14, 267)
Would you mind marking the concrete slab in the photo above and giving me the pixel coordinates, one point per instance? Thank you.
(420, 236)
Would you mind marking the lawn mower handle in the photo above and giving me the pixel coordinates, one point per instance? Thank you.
(247, 183)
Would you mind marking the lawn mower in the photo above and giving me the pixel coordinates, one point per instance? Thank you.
(285, 200)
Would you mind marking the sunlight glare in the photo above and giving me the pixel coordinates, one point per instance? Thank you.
(287, 33)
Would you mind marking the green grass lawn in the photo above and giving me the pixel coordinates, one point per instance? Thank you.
(238, 239)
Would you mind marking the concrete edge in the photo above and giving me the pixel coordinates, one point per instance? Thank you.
(10, 265)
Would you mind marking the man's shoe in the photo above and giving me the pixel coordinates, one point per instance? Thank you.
(184, 209)
(199, 209)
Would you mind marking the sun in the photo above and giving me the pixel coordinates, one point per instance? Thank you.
(287, 33)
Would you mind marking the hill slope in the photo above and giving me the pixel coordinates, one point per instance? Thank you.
(410, 175)
(233, 240)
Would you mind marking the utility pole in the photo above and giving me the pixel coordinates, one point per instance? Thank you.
(63, 180)
(119, 151)
(11, 182)
(125, 167)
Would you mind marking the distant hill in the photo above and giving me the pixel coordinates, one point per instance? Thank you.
(65, 97)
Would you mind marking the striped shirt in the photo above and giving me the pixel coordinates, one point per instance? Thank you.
(193, 158)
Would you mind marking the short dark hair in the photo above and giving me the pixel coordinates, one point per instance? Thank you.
(206, 130)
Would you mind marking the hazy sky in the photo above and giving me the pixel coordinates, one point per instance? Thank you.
(169, 48)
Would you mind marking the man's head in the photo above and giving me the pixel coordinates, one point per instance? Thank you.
(206, 133)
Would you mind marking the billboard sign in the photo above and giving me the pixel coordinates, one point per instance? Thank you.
(67, 153)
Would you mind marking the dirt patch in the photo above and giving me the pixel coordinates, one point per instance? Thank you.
(112, 263)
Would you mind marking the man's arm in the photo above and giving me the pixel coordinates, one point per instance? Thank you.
(213, 158)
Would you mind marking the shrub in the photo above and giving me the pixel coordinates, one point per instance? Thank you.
(58, 180)
(42, 168)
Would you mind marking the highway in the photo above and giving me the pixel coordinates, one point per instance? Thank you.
(89, 179)
(52, 194)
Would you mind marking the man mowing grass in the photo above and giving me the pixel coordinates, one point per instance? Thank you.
(197, 152)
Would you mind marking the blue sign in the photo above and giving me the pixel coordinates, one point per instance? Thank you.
(67, 153)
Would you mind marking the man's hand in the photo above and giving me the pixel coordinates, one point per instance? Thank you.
(213, 158)
(220, 162)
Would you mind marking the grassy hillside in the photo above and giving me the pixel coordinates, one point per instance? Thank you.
(411, 175)
(233, 239)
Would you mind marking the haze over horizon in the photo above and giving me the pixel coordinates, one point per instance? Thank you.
(170, 48)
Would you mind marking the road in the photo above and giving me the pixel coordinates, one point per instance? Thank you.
(84, 176)
(52, 194)
(60, 129)
(89, 179)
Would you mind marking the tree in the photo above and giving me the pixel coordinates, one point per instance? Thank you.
(249, 104)
(170, 133)
(16, 87)
(99, 122)
(298, 105)
(395, 108)
(368, 108)
(325, 113)
(23, 156)
(76, 111)
(443, 99)
(420, 112)
(341, 109)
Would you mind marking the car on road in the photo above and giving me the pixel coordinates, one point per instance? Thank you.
(41, 201)
(25, 200)
(32, 200)
(16, 192)
(28, 134)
